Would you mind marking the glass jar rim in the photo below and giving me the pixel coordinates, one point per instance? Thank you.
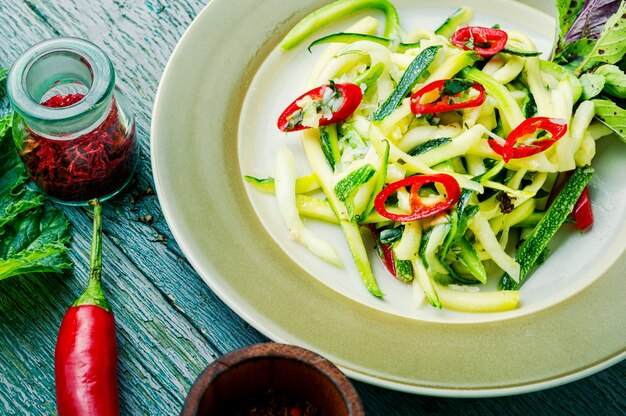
(99, 64)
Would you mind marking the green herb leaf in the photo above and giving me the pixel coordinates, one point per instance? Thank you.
(573, 54)
(35, 241)
(592, 85)
(568, 12)
(613, 116)
(614, 80)
(390, 235)
(5, 125)
(33, 238)
(3, 74)
(455, 86)
(610, 46)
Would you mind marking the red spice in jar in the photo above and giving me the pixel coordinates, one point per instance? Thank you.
(94, 164)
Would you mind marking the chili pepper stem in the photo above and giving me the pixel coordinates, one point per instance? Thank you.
(94, 294)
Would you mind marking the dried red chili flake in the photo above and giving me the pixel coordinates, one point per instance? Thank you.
(92, 165)
(58, 101)
(270, 403)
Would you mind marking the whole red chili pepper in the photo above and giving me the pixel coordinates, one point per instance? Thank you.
(486, 41)
(351, 94)
(85, 359)
(513, 149)
(418, 209)
(447, 88)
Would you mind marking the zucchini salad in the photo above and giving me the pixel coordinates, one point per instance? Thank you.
(459, 151)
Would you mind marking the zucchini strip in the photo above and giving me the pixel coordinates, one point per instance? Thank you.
(345, 37)
(409, 245)
(485, 235)
(533, 76)
(556, 215)
(379, 182)
(465, 301)
(509, 110)
(320, 209)
(468, 256)
(304, 184)
(426, 282)
(461, 16)
(413, 165)
(313, 150)
(334, 11)
(286, 197)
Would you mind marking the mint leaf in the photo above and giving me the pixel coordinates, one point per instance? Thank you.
(33, 237)
(5, 125)
(36, 241)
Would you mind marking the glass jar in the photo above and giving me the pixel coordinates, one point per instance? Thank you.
(72, 127)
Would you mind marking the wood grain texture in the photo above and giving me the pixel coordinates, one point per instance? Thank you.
(170, 325)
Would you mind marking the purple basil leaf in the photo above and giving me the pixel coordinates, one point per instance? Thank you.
(591, 20)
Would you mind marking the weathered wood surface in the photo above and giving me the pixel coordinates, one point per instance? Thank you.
(170, 325)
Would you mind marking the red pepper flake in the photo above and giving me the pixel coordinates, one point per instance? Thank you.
(92, 165)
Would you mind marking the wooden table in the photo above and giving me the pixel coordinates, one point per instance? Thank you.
(170, 325)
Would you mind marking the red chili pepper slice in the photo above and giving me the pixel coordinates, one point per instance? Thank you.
(486, 41)
(385, 251)
(514, 149)
(447, 88)
(418, 209)
(582, 212)
(291, 118)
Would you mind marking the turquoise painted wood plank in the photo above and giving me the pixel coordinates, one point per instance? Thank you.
(159, 350)
(164, 345)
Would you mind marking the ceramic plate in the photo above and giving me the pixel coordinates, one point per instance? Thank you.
(213, 121)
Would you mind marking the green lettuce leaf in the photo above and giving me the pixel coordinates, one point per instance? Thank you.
(612, 115)
(33, 237)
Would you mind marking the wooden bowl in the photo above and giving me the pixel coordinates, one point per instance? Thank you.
(295, 372)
